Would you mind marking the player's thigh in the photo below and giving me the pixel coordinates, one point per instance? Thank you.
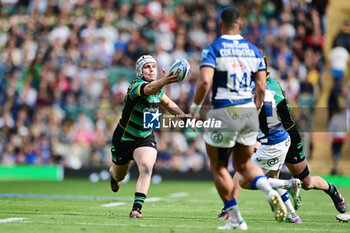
(295, 153)
(145, 156)
(242, 154)
(296, 168)
(218, 156)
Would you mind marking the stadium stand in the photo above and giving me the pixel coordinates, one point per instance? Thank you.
(65, 67)
(338, 13)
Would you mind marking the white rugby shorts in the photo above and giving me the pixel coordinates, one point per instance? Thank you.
(239, 123)
(271, 157)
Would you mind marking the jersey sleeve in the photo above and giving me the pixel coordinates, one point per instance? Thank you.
(283, 109)
(137, 88)
(261, 61)
(208, 57)
(161, 94)
(275, 86)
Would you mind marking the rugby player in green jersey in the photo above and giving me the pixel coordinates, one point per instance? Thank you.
(132, 140)
(295, 159)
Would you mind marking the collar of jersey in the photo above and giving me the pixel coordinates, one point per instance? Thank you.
(232, 37)
(137, 78)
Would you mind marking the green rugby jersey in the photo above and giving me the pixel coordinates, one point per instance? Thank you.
(283, 108)
(135, 102)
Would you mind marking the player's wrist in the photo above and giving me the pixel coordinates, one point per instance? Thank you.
(195, 108)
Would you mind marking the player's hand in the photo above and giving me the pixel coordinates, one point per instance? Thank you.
(168, 78)
(195, 117)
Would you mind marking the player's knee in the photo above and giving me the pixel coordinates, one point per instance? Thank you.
(145, 170)
(305, 178)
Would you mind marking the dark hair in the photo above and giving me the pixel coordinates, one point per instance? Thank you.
(230, 16)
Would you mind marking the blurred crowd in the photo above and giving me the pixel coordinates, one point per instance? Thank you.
(65, 66)
(339, 98)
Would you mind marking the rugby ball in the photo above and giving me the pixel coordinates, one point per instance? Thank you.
(180, 68)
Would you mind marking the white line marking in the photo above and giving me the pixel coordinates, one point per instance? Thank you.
(175, 195)
(153, 199)
(11, 220)
(114, 204)
(304, 229)
(65, 197)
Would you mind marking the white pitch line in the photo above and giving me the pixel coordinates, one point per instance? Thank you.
(153, 199)
(304, 229)
(11, 220)
(114, 204)
(175, 195)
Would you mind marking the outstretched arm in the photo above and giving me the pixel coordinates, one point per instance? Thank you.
(154, 87)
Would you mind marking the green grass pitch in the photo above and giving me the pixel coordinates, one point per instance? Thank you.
(172, 206)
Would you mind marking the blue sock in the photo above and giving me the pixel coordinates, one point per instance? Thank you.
(253, 185)
(230, 204)
(285, 196)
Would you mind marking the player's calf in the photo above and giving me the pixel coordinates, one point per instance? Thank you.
(114, 185)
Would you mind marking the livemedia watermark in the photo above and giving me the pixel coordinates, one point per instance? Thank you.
(153, 119)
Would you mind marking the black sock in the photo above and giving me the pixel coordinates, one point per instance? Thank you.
(138, 201)
(330, 189)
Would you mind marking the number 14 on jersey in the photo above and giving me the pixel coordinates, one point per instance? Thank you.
(239, 83)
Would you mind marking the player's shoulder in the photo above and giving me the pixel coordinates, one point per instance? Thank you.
(254, 48)
(135, 84)
(272, 81)
(137, 81)
(213, 45)
(275, 86)
(250, 44)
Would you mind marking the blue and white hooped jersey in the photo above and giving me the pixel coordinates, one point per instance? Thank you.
(271, 130)
(235, 61)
